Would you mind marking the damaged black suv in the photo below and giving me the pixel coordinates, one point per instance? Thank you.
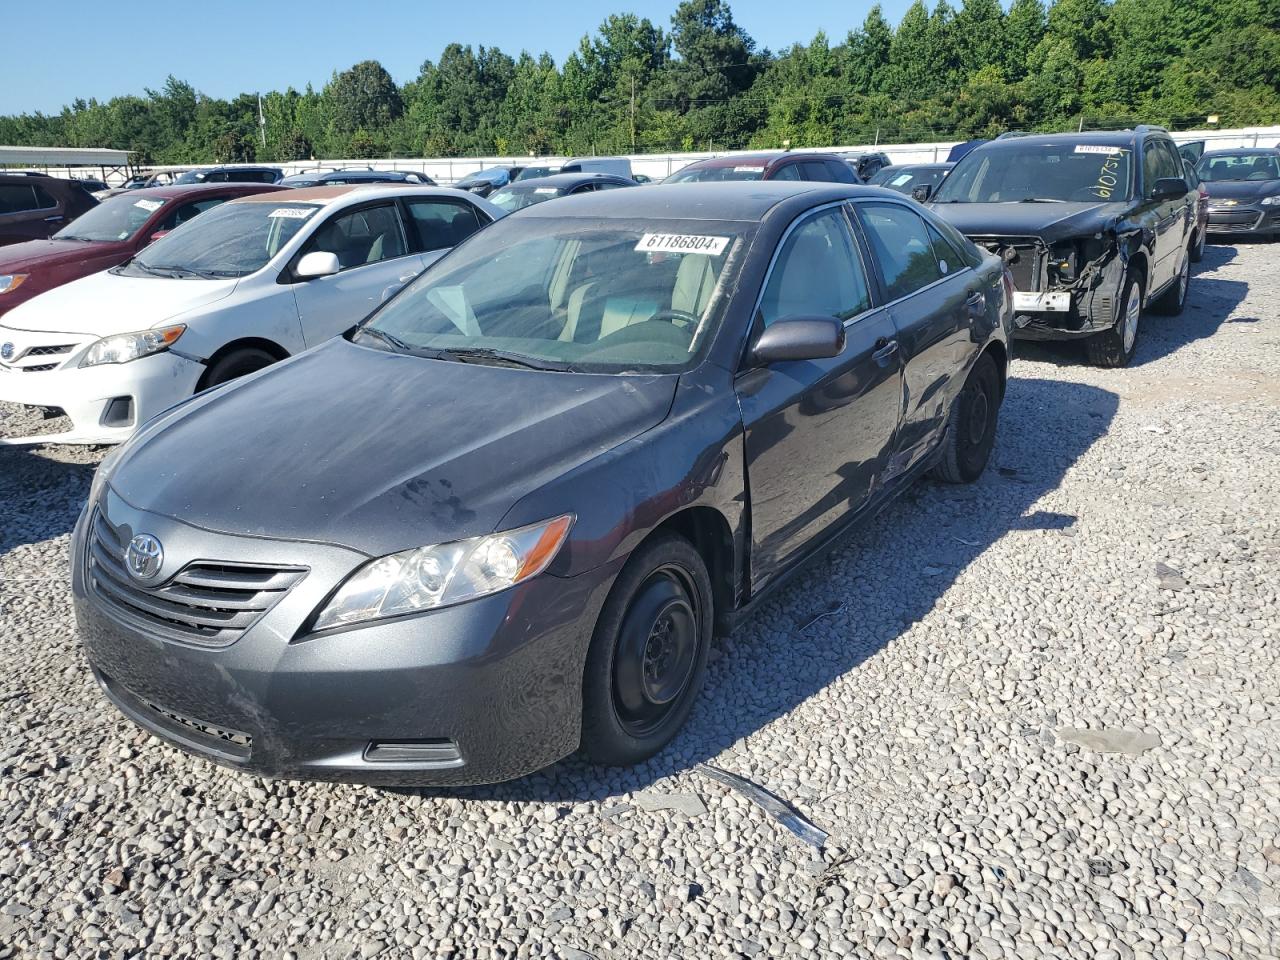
(1095, 227)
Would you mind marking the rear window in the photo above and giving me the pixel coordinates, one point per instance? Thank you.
(747, 170)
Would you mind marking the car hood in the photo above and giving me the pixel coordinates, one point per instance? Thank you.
(377, 451)
(106, 303)
(1049, 221)
(1241, 189)
(32, 254)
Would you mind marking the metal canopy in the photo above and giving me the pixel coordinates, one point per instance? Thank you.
(63, 157)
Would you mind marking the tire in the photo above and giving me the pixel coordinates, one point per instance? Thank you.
(239, 363)
(648, 655)
(1113, 348)
(1197, 248)
(1173, 300)
(971, 425)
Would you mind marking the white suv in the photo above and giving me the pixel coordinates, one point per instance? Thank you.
(240, 287)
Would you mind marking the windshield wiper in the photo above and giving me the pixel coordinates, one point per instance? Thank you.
(389, 339)
(1037, 200)
(179, 273)
(497, 358)
(67, 236)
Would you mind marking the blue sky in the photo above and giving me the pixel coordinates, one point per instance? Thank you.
(100, 50)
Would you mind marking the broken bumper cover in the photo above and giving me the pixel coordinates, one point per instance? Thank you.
(479, 692)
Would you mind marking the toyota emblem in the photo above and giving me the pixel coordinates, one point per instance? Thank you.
(143, 557)
(6, 352)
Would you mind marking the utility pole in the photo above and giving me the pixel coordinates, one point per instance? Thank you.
(262, 122)
(633, 114)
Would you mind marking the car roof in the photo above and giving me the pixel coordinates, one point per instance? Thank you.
(329, 195)
(764, 158)
(565, 180)
(748, 200)
(1108, 138)
(173, 191)
(1242, 151)
(366, 174)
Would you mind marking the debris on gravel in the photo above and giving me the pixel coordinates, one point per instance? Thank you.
(911, 693)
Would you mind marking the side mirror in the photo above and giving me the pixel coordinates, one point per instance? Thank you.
(922, 193)
(317, 263)
(799, 338)
(157, 235)
(1169, 188)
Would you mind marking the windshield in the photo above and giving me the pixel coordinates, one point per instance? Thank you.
(191, 176)
(533, 173)
(570, 294)
(116, 218)
(494, 175)
(694, 173)
(515, 198)
(906, 179)
(1019, 172)
(1216, 168)
(233, 240)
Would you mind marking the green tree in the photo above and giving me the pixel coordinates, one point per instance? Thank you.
(362, 98)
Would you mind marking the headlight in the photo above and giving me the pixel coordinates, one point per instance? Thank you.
(130, 346)
(445, 574)
(1266, 202)
(11, 281)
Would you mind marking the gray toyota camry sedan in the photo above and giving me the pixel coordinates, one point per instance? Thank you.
(503, 517)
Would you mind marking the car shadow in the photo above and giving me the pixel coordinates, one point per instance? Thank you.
(1210, 303)
(42, 491)
(865, 592)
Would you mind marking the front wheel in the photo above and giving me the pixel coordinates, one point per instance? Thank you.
(649, 653)
(1115, 347)
(971, 426)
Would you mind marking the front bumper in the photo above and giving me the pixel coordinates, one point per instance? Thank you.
(149, 385)
(480, 692)
(1244, 219)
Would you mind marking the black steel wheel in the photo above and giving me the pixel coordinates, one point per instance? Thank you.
(649, 653)
(239, 363)
(971, 429)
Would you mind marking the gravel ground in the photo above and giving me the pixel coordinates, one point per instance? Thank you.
(1039, 716)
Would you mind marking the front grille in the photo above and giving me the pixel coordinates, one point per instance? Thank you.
(207, 602)
(231, 744)
(50, 351)
(38, 368)
(1243, 217)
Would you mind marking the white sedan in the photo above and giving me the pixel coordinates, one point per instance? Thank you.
(240, 287)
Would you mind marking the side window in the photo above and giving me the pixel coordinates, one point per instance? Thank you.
(361, 236)
(583, 188)
(840, 172)
(789, 172)
(43, 200)
(948, 257)
(441, 224)
(814, 170)
(903, 247)
(1157, 164)
(818, 272)
(1172, 162)
(609, 185)
(17, 198)
(188, 211)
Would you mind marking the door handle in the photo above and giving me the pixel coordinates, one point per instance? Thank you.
(976, 304)
(407, 277)
(54, 219)
(885, 349)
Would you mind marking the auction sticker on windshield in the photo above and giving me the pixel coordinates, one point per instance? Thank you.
(1098, 148)
(149, 204)
(293, 213)
(682, 243)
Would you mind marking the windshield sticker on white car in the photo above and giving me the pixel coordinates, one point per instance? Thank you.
(293, 213)
(149, 205)
(682, 243)
(1099, 149)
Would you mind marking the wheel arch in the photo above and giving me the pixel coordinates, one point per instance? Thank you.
(244, 343)
(999, 352)
(711, 535)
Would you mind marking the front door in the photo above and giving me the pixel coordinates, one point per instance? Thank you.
(818, 432)
(373, 255)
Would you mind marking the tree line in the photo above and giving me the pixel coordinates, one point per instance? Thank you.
(702, 82)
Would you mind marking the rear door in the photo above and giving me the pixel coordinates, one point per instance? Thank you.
(932, 295)
(1169, 218)
(374, 254)
(817, 432)
(28, 211)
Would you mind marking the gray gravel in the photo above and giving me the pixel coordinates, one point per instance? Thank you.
(1038, 717)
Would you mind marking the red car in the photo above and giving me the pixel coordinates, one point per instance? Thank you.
(106, 236)
(777, 165)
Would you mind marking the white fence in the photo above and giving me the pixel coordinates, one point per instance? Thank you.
(657, 166)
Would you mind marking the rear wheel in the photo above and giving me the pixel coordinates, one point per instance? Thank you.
(649, 653)
(971, 426)
(239, 363)
(1115, 347)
